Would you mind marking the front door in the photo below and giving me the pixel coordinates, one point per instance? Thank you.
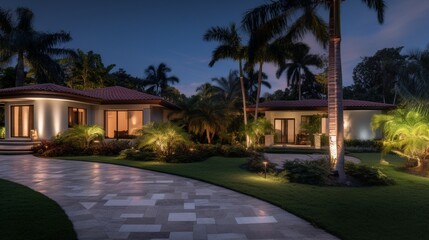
(284, 131)
(21, 120)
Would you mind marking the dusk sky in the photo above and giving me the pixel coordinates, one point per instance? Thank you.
(134, 34)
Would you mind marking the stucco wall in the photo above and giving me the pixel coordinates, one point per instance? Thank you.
(50, 115)
(357, 123)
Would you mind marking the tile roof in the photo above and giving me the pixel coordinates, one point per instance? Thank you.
(44, 87)
(121, 94)
(313, 104)
(111, 95)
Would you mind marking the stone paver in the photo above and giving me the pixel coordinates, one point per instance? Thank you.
(280, 158)
(114, 202)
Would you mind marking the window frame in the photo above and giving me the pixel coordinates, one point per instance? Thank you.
(117, 123)
(71, 120)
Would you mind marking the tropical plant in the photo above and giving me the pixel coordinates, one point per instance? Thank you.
(83, 135)
(257, 129)
(251, 83)
(228, 89)
(157, 80)
(413, 81)
(230, 47)
(298, 66)
(2, 132)
(162, 138)
(86, 70)
(275, 16)
(406, 133)
(19, 38)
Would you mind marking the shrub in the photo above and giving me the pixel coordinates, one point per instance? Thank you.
(135, 154)
(310, 172)
(111, 148)
(2, 132)
(367, 175)
(363, 145)
(255, 163)
(233, 151)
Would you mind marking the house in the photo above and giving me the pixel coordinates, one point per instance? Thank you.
(290, 117)
(42, 111)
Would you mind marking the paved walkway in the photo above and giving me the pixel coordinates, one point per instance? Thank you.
(280, 158)
(113, 202)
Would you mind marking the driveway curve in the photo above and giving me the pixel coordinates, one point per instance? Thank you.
(106, 201)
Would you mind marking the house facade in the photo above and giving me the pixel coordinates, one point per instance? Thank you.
(291, 118)
(44, 110)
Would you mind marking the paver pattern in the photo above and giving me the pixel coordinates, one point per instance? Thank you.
(106, 201)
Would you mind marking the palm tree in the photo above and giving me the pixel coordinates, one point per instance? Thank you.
(275, 52)
(298, 67)
(230, 48)
(251, 83)
(414, 81)
(157, 79)
(86, 70)
(228, 89)
(18, 38)
(277, 14)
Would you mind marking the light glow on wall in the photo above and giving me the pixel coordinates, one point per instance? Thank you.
(56, 112)
(333, 150)
(40, 119)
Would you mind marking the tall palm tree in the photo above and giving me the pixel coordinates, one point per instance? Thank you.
(157, 79)
(414, 81)
(298, 66)
(275, 52)
(251, 83)
(228, 89)
(230, 48)
(277, 16)
(86, 70)
(18, 38)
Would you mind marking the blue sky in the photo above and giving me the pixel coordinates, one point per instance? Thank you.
(134, 34)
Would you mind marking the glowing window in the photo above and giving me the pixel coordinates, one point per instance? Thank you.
(77, 116)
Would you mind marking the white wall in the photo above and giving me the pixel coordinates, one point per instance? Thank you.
(357, 123)
(50, 115)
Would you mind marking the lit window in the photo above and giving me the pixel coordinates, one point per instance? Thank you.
(123, 123)
(77, 116)
(22, 121)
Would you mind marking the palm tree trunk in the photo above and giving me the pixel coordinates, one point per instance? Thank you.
(299, 84)
(19, 81)
(335, 94)
(243, 92)
(208, 137)
(258, 93)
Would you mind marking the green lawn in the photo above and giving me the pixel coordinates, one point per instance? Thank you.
(393, 212)
(28, 215)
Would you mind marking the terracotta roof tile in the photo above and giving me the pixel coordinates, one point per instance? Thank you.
(310, 104)
(111, 95)
(121, 94)
(45, 87)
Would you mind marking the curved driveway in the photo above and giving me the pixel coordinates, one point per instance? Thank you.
(113, 202)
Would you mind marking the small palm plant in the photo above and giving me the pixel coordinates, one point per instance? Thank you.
(406, 133)
(163, 138)
(83, 135)
(2, 132)
(257, 129)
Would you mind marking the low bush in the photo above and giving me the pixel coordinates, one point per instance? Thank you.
(138, 155)
(370, 176)
(309, 172)
(111, 148)
(2, 132)
(234, 151)
(363, 145)
(255, 163)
